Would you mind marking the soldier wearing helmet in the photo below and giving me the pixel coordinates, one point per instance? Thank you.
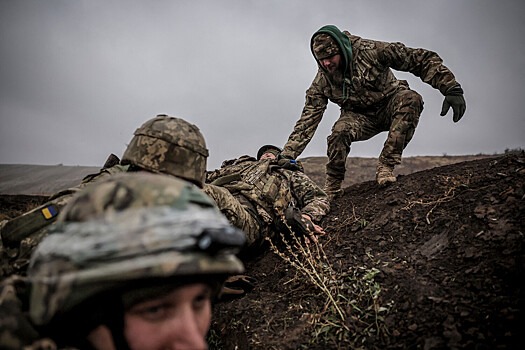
(267, 194)
(133, 262)
(171, 146)
(163, 144)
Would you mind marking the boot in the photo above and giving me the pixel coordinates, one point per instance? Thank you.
(236, 287)
(385, 174)
(332, 186)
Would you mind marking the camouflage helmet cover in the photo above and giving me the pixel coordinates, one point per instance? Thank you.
(130, 228)
(169, 145)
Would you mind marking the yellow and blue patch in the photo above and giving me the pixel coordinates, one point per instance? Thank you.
(49, 212)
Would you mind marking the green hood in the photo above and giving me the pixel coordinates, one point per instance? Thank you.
(346, 50)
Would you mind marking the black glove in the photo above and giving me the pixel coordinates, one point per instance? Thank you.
(454, 98)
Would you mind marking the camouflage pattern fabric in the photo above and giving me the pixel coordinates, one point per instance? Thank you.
(163, 144)
(265, 190)
(133, 227)
(169, 145)
(400, 117)
(16, 331)
(324, 46)
(30, 228)
(239, 213)
(372, 87)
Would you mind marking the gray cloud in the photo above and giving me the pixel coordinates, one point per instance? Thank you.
(77, 77)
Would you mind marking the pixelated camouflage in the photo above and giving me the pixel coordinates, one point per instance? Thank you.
(171, 146)
(132, 227)
(265, 190)
(372, 86)
(323, 46)
(16, 332)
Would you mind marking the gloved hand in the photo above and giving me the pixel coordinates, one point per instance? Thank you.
(290, 164)
(454, 98)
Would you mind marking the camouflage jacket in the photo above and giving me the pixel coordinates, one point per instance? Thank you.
(271, 188)
(371, 83)
(16, 330)
(19, 236)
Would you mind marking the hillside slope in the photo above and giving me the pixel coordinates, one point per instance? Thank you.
(434, 261)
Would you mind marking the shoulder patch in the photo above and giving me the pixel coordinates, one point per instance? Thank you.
(49, 212)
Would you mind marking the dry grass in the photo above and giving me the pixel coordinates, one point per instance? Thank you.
(353, 310)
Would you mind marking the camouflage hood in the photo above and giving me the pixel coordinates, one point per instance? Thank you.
(344, 48)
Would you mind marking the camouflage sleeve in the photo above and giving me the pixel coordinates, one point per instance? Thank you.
(16, 331)
(425, 64)
(311, 116)
(30, 228)
(313, 201)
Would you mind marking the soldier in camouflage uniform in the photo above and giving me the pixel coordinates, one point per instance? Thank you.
(266, 195)
(133, 262)
(356, 74)
(163, 144)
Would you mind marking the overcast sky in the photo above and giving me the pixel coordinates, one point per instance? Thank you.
(77, 77)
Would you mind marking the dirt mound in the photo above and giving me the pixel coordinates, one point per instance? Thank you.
(433, 261)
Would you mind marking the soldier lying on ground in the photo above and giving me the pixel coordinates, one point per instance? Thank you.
(163, 144)
(133, 262)
(267, 195)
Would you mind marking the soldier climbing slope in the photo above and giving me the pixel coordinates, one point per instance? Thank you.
(356, 74)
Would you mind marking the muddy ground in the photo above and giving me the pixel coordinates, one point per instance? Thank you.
(434, 261)
(440, 254)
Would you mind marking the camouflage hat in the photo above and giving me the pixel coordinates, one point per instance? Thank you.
(171, 146)
(130, 229)
(323, 46)
(268, 148)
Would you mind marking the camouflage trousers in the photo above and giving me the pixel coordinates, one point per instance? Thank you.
(237, 213)
(399, 116)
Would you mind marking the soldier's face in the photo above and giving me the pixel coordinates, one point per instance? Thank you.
(332, 63)
(178, 320)
(268, 155)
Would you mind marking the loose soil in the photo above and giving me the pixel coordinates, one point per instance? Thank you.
(448, 247)
(440, 252)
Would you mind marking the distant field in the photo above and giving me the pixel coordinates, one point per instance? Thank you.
(44, 180)
(363, 169)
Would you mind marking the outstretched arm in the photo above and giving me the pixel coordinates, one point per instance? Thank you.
(311, 116)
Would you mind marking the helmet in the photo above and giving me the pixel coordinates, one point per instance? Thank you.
(267, 148)
(132, 229)
(169, 145)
